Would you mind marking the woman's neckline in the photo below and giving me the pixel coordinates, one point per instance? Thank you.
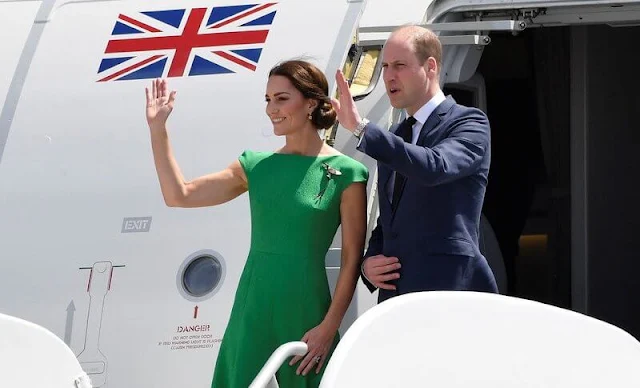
(306, 156)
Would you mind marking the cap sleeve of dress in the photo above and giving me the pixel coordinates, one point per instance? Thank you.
(247, 160)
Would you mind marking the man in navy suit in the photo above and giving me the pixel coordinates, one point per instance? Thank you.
(432, 175)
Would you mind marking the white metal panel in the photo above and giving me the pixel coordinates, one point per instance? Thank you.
(78, 162)
(381, 12)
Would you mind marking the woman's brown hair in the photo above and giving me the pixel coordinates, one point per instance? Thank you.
(312, 83)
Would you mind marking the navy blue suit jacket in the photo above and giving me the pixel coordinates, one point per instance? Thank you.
(434, 228)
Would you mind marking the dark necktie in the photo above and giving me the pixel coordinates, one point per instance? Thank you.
(405, 130)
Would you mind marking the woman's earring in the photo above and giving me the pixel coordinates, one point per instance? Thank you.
(309, 116)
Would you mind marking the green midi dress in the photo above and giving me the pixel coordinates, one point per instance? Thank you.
(283, 290)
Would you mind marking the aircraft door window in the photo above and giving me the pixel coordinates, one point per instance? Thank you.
(361, 71)
(200, 275)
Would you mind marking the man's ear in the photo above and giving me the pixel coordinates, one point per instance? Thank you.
(432, 66)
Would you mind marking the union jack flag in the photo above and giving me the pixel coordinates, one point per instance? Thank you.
(186, 42)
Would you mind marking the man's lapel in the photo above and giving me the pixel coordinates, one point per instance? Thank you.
(386, 174)
(385, 181)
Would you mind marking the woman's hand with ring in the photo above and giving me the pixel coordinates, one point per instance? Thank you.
(319, 341)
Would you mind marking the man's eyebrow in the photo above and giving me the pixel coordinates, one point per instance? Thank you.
(393, 62)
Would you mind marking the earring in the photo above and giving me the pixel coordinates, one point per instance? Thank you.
(309, 116)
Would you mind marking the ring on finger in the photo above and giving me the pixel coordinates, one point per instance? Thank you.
(316, 359)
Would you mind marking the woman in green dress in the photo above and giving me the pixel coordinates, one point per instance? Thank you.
(298, 195)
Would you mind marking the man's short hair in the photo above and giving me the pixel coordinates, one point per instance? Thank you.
(425, 43)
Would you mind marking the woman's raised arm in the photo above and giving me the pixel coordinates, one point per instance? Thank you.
(207, 190)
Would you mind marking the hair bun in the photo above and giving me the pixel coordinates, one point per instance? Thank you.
(325, 115)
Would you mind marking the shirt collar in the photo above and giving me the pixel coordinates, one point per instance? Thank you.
(425, 111)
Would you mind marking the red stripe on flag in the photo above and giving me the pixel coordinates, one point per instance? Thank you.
(180, 43)
(235, 59)
(115, 75)
(137, 23)
(183, 48)
(224, 23)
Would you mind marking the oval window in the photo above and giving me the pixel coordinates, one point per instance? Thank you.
(200, 275)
